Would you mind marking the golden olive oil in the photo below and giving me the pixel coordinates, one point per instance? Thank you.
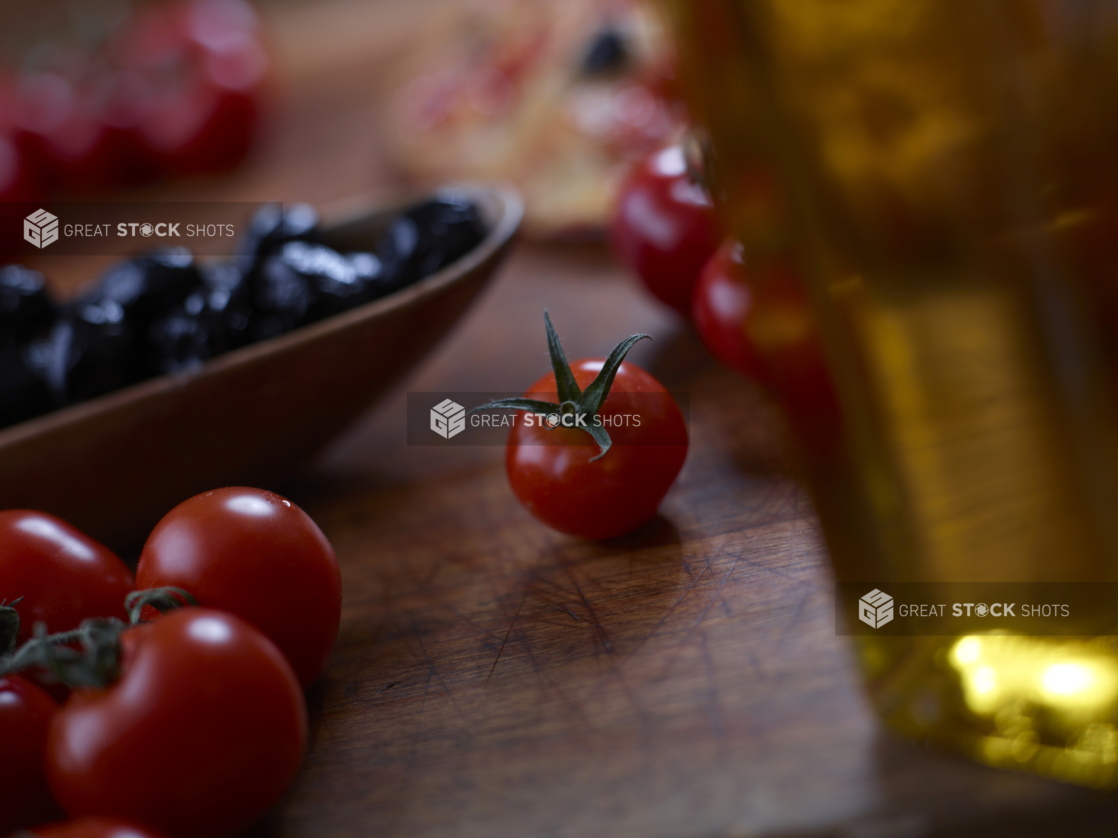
(945, 178)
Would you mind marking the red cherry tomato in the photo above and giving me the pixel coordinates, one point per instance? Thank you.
(722, 304)
(206, 122)
(202, 733)
(19, 181)
(782, 329)
(203, 128)
(95, 828)
(205, 66)
(18, 178)
(758, 320)
(551, 470)
(259, 556)
(25, 715)
(60, 132)
(664, 227)
(63, 575)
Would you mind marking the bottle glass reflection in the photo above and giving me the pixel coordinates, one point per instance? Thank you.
(943, 179)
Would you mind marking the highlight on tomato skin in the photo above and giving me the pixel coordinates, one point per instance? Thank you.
(664, 228)
(26, 712)
(255, 554)
(95, 828)
(202, 733)
(62, 575)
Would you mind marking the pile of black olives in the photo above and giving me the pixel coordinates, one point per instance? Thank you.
(165, 313)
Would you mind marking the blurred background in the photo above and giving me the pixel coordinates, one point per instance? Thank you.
(222, 100)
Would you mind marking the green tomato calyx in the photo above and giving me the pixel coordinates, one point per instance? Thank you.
(88, 656)
(584, 405)
(9, 626)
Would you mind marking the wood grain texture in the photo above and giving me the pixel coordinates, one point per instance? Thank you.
(495, 678)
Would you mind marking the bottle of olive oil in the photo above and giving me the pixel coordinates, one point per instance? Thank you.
(943, 178)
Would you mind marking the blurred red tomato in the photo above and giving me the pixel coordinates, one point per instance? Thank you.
(61, 134)
(722, 303)
(783, 330)
(19, 179)
(208, 68)
(664, 227)
(208, 123)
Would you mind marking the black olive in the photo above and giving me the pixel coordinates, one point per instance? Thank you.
(337, 282)
(272, 226)
(23, 390)
(427, 237)
(26, 309)
(396, 252)
(225, 306)
(148, 285)
(162, 313)
(181, 340)
(92, 351)
(607, 53)
(281, 298)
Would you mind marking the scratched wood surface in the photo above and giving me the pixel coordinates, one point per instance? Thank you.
(494, 678)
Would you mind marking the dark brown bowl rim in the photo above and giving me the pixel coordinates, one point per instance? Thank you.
(336, 214)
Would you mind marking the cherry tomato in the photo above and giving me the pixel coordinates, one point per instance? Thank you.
(259, 556)
(95, 828)
(781, 330)
(664, 227)
(205, 67)
(552, 474)
(721, 306)
(60, 133)
(18, 177)
(25, 715)
(63, 575)
(758, 320)
(202, 733)
(208, 123)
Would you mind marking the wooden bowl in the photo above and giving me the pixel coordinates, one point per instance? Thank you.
(114, 465)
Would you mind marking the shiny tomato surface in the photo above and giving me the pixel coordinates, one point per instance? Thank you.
(722, 304)
(63, 575)
(257, 555)
(664, 227)
(202, 733)
(552, 472)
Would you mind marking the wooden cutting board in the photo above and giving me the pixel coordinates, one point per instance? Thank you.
(495, 678)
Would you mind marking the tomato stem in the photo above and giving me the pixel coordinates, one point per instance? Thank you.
(161, 599)
(96, 660)
(96, 663)
(565, 384)
(9, 625)
(572, 400)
